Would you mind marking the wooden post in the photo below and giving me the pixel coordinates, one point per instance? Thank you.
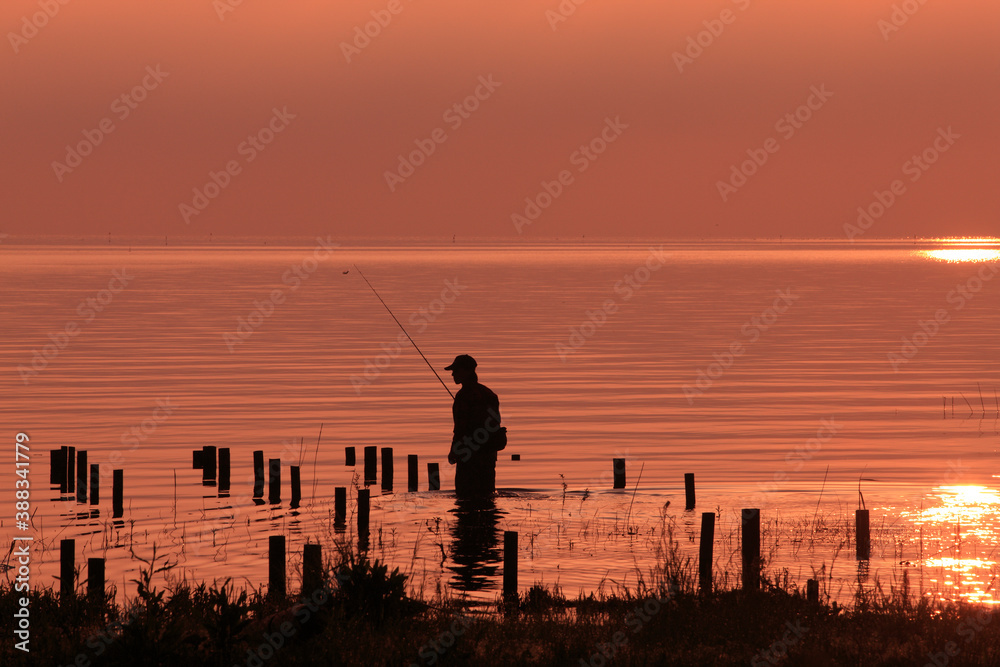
(57, 466)
(515, 457)
(274, 481)
(689, 490)
(70, 467)
(619, 469)
(81, 476)
(364, 504)
(224, 464)
(349, 459)
(95, 578)
(208, 469)
(340, 505)
(312, 569)
(510, 565)
(705, 555)
(117, 493)
(296, 487)
(433, 477)
(198, 459)
(95, 483)
(258, 474)
(751, 549)
(412, 466)
(812, 590)
(862, 537)
(387, 468)
(371, 465)
(276, 565)
(67, 569)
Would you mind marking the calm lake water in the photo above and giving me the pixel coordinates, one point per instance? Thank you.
(775, 372)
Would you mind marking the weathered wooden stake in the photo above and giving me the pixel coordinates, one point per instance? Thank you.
(340, 505)
(751, 549)
(515, 457)
(433, 477)
(812, 590)
(81, 476)
(689, 490)
(258, 474)
(371, 465)
(276, 565)
(95, 578)
(274, 481)
(312, 569)
(95, 483)
(57, 466)
(197, 459)
(225, 459)
(296, 486)
(117, 493)
(208, 469)
(862, 538)
(412, 478)
(510, 565)
(705, 554)
(619, 469)
(67, 569)
(364, 504)
(70, 467)
(349, 458)
(387, 468)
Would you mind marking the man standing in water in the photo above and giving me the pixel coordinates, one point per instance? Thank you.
(478, 434)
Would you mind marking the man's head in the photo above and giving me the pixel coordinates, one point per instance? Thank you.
(463, 369)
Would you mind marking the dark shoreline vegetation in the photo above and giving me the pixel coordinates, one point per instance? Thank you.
(363, 615)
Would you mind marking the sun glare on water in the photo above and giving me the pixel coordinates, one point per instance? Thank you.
(966, 250)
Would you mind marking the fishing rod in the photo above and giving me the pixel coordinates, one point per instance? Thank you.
(446, 387)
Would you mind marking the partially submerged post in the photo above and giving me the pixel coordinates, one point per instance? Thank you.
(371, 465)
(339, 506)
(705, 554)
(618, 465)
(57, 466)
(433, 477)
(95, 483)
(70, 467)
(412, 477)
(349, 459)
(81, 476)
(117, 493)
(224, 464)
(276, 565)
(95, 578)
(751, 549)
(296, 487)
(208, 465)
(510, 565)
(258, 474)
(67, 569)
(364, 503)
(812, 590)
(862, 535)
(689, 490)
(274, 481)
(387, 469)
(312, 569)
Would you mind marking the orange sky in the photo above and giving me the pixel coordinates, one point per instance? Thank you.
(325, 171)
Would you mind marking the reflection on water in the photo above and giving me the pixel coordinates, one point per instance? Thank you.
(475, 545)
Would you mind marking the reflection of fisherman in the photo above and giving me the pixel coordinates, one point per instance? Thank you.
(478, 434)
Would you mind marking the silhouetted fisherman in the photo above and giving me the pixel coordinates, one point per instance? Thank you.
(478, 434)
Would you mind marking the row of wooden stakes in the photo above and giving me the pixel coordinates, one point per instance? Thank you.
(69, 471)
